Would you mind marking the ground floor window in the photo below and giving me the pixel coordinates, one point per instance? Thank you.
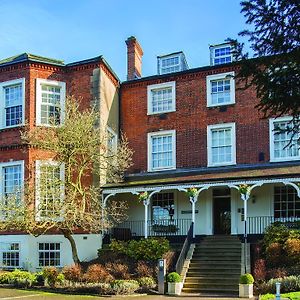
(162, 206)
(286, 202)
(10, 255)
(49, 254)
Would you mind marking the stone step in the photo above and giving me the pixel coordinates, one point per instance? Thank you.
(216, 290)
(224, 285)
(214, 263)
(217, 258)
(216, 247)
(212, 279)
(235, 274)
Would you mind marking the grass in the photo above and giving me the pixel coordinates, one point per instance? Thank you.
(292, 296)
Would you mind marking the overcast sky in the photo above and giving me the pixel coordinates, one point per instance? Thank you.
(80, 29)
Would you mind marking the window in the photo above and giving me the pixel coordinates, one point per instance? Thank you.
(10, 255)
(161, 150)
(49, 254)
(161, 98)
(221, 144)
(221, 54)
(112, 140)
(50, 102)
(283, 145)
(49, 189)
(11, 180)
(163, 206)
(220, 89)
(12, 103)
(171, 63)
(286, 202)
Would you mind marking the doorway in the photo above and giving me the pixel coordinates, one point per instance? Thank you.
(221, 211)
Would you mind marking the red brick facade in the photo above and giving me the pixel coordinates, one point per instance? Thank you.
(191, 118)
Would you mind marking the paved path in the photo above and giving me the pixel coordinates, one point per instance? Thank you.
(11, 294)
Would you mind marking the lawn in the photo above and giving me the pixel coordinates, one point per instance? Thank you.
(292, 296)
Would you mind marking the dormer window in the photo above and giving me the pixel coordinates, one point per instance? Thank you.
(221, 54)
(171, 63)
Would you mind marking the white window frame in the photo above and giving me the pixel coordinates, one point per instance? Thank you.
(160, 70)
(271, 139)
(220, 76)
(210, 128)
(38, 165)
(220, 47)
(161, 133)
(10, 164)
(3, 85)
(49, 251)
(114, 135)
(54, 83)
(2, 251)
(150, 88)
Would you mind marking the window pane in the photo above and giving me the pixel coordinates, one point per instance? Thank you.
(13, 104)
(162, 151)
(221, 145)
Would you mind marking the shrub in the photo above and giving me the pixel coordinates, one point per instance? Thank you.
(124, 287)
(274, 254)
(5, 277)
(147, 282)
(173, 277)
(143, 269)
(60, 279)
(288, 284)
(97, 273)
(292, 248)
(72, 273)
(259, 270)
(145, 249)
(275, 233)
(40, 280)
(22, 278)
(118, 270)
(277, 273)
(50, 274)
(246, 279)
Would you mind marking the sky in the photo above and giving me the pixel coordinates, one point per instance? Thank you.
(82, 29)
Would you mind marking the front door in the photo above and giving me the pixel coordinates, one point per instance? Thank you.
(221, 211)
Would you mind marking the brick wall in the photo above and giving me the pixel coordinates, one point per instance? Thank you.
(191, 119)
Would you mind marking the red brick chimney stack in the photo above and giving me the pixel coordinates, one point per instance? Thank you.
(134, 58)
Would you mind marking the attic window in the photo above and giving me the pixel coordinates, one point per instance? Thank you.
(171, 63)
(221, 54)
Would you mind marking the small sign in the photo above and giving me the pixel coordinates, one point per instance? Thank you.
(185, 212)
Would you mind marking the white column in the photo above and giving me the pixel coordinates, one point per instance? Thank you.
(245, 198)
(146, 203)
(193, 201)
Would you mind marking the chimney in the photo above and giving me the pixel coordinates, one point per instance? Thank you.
(134, 58)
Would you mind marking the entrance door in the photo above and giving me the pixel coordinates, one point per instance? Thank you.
(221, 211)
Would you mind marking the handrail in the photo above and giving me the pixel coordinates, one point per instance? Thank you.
(185, 248)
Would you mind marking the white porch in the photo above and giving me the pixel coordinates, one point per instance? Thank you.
(252, 208)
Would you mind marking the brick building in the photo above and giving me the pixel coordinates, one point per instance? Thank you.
(196, 128)
(34, 89)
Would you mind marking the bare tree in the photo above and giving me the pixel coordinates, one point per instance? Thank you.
(63, 194)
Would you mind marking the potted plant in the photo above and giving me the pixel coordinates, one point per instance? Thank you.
(246, 286)
(174, 283)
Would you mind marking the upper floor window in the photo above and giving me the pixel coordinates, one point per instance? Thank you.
(12, 180)
(161, 150)
(12, 103)
(161, 97)
(220, 89)
(112, 141)
(171, 63)
(221, 54)
(286, 202)
(283, 143)
(49, 189)
(221, 144)
(50, 102)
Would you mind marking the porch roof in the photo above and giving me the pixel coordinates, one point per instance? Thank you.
(255, 176)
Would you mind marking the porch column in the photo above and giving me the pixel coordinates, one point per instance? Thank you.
(146, 204)
(245, 197)
(193, 200)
